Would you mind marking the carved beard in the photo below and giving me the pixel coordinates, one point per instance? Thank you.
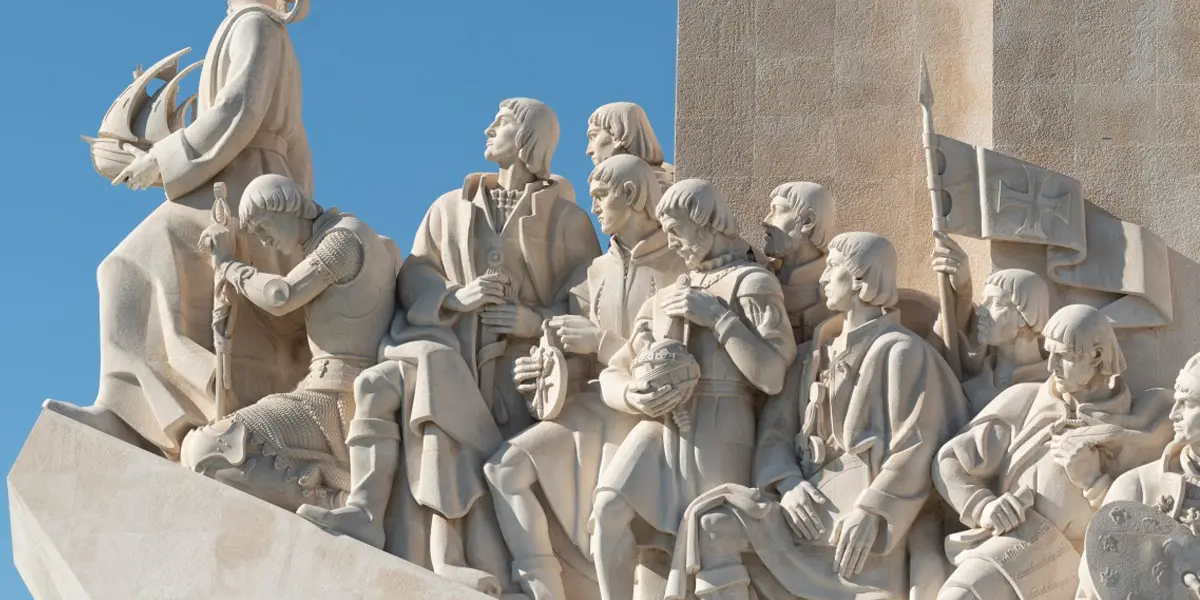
(779, 242)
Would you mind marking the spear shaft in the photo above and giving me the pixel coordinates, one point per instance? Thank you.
(949, 325)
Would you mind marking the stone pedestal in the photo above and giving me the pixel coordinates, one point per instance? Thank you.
(826, 90)
(93, 517)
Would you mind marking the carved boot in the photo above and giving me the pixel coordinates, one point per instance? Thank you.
(374, 455)
(540, 577)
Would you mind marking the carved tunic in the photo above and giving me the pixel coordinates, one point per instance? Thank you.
(803, 298)
(658, 470)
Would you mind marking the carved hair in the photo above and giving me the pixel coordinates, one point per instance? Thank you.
(630, 127)
(871, 259)
(274, 194)
(1188, 381)
(1027, 291)
(537, 133)
(1083, 330)
(627, 168)
(804, 195)
(703, 205)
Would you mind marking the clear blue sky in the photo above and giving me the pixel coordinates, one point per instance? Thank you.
(397, 95)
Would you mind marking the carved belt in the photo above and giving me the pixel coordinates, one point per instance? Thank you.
(716, 388)
(332, 373)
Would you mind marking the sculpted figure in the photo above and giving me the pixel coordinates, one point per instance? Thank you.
(842, 468)
(156, 294)
(623, 128)
(729, 317)
(799, 225)
(1029, 472)
(290, 448)
(1171, 483)
(491, 261)
(1001, 338)
(566, 455)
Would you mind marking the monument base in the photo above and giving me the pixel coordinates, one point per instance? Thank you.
(93, 517)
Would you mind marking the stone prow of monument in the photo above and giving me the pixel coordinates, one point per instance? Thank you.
(94, 517)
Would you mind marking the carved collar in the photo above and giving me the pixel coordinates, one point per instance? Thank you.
(854, 344)
(715, 263)
(645, 249)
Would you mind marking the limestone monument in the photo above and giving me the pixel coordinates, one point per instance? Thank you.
(945, 384)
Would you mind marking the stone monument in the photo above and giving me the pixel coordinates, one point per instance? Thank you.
(940, 376)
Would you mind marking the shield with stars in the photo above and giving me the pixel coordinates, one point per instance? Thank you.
(1137, 552)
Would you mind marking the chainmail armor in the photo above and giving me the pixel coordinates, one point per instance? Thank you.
(339, 256)
(305, 431)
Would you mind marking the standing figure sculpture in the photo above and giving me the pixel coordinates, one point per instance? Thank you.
(1031, 469)
(799, 225)
(734, 327)
(1000, 340)
(491, 261)
(156, 298)
(1171, 485)
(623, 128)
(566, 455)
(291, 448)
(842, 467)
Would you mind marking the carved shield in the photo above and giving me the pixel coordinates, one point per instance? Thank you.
(1136, 552)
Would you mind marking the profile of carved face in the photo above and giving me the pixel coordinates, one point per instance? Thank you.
(281, 231)
(998, 319)
(690, 241)
(837, 282)
(502, 147)
(601, 144)
(1185, 417)
(610, 204)
(1072, 370)
(783, 225)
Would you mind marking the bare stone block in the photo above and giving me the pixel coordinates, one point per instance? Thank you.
(785, 30)
(729, 150)
(793, 86)
(715, 87)
(800, 148)
(723, 28)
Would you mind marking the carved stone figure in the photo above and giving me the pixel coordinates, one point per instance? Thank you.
(623, 128)
(799, 225)
(1000, 340)
(842, 468)
(1029, 472)
(1171, 484)
(729, 315)
(566, 455)
(491, 261)
(156, 298)
(291, 448)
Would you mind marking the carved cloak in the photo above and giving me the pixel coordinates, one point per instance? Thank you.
(156, 287)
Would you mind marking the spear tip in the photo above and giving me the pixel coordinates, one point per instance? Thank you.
(925, 89)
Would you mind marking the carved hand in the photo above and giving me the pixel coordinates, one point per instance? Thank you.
(653, 403)
(486, 289)
(578, 334)
(695, 305)
(218, 241)
(513, 319)
(1080, 460)
(800, 505)
(527, 370)
(141, 173)
(951, 259)
(854, 536)
(1003, 514)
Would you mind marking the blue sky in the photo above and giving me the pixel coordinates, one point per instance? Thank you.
(397, 95)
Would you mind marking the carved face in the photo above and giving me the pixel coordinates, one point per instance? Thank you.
(1185, 418)
(601, 145)
(999, 321)
(502, 147)
(281, 231)
(837, 282)
(783, 227)
(610, 206)
(690, 241)
(1072, 371)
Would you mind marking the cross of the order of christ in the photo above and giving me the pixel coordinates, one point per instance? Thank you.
(1035, 204)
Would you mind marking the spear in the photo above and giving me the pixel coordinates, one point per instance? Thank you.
(949, 332)
(223, 310)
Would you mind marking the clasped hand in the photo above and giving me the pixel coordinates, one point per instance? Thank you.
(218, 241)
(527, 370)
(1080, 459)
(695, 305)
(578, 335)
(653, 403)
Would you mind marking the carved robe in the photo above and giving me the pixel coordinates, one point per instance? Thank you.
(156, 287)
(659, 470)
(803, 298)
(1006, 449)
(448, 434)
(885, 400)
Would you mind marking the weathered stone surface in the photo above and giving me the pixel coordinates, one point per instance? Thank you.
(93, 517)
